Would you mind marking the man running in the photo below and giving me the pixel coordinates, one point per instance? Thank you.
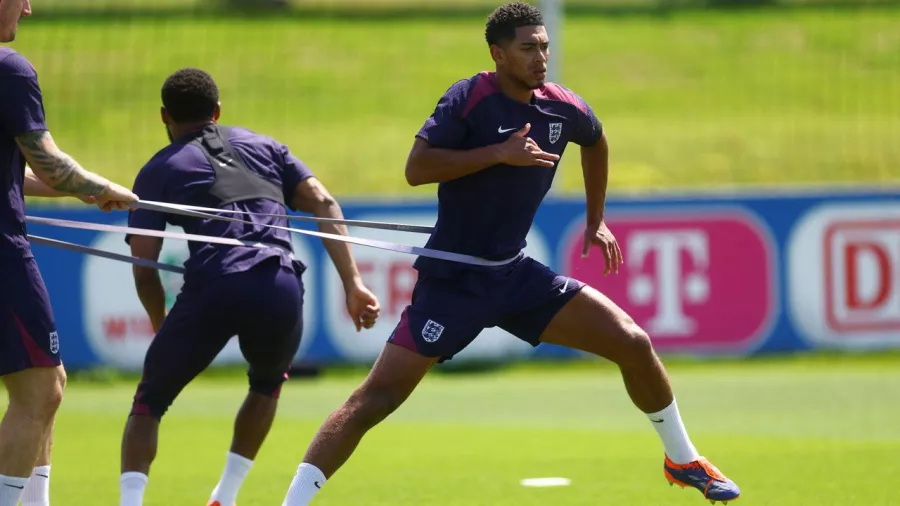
(493, 144)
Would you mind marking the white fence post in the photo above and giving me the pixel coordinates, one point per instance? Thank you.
(553, 13)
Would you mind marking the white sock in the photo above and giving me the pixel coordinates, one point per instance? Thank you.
(236, 470)
(674, 436)
(37, 492)
(132, 486)
(308, 480)
(11, 489)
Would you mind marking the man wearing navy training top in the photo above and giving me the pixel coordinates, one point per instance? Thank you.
(31, 364)
(492, 144)
(253, 293)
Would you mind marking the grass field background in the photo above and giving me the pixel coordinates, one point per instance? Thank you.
(689, 97)
(789, 431)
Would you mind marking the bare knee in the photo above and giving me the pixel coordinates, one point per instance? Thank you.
(38, 393)
(395, 375)
(369, 405)
(636, 349)
(61, 378)
(49, 398)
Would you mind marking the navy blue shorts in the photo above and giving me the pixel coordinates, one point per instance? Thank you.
(262, 306)
(448, 312)
(28, 336)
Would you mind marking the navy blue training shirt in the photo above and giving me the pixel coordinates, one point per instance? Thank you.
(182, 174)
(21, 111)
(490, 212)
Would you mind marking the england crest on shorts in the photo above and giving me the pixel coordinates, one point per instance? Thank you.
(54, 342)
(432, 331)
(555, 132)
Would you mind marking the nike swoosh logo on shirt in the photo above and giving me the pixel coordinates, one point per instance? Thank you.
(501, 130)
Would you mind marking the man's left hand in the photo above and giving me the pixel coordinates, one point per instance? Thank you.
(600, 236)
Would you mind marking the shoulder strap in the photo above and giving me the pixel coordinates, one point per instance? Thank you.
(234, 180)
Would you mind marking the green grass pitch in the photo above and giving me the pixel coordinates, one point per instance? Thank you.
(690, 98)
(790, 432)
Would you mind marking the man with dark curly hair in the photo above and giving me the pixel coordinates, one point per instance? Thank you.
(492, 145)
(254, 293)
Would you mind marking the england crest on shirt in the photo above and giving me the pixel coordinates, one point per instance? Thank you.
(432, 331)
(555, 132)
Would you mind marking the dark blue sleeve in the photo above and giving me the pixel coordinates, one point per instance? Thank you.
(589, 130)
(294, 172)
(148, 186)
(22, 107)
(446, 127)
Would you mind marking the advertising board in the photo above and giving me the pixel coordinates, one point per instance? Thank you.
(704, 273)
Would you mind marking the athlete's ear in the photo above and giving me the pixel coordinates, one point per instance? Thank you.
(164, 116)
(498, 54)
(217, 112)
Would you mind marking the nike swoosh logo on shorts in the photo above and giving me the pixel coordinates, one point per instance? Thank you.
(563, 289)
(501, 130)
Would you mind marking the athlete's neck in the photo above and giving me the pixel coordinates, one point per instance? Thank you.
(180, 130)
(513, 89)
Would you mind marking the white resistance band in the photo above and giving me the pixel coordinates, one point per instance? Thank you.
(166, 207)
(204, 212)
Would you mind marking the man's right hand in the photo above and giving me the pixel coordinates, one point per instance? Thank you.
(115, 197)
(362, 305)
(522, 151)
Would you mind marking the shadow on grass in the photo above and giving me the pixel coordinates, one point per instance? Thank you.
(659, 9)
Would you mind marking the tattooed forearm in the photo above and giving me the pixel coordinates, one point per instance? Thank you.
(57, 169)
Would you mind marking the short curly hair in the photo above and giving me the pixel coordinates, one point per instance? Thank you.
(190, 95)
(502, 23)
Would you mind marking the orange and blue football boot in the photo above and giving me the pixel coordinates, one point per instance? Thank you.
(703, 476)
